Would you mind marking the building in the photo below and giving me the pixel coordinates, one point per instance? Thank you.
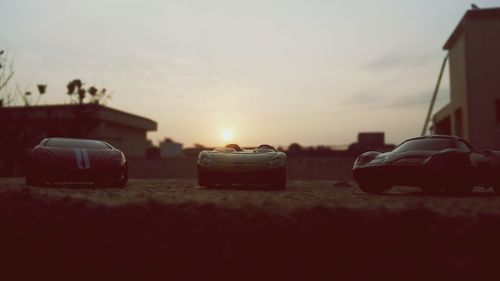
(169, 148)
(474, 66)
(370, 141)
(123, 130)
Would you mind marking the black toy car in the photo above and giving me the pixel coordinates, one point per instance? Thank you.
(435, 163)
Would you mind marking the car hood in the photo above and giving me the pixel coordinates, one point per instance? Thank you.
(242, 157)
(410, 156)
(71, 155)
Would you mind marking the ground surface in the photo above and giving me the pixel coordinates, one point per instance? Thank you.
(314, 230)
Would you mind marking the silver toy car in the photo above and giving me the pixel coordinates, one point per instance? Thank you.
(233, 165)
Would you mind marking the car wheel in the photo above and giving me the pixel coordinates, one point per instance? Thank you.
(120, 183)
(462, 190)
(433, 184)
(279, 180)
(458, 184)
(431, 190)
(496, 188)
(204, 179)
(373, 187)
(458, 189)
(453, 174)
(34, 181)
(99, 183)
(33, 177)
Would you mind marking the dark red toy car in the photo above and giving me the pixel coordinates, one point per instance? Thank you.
(70, 160)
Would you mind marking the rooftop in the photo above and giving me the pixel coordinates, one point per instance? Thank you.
(471, 14)
(103, 113)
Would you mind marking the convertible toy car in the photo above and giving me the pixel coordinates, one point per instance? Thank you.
(76, 160)
(435, 163)
(233, 165)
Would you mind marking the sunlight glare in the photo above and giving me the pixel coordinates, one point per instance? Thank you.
(227, 135)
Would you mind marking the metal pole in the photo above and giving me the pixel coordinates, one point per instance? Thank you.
(433, 100)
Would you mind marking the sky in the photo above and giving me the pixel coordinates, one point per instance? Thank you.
(269, 71)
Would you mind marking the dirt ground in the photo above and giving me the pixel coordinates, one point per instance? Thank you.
(172, 229)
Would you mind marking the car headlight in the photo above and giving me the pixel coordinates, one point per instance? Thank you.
(377, 160)
(42, 157)
(206, 161)
(363, 160)
(276, 162)
(117, 160)
(411, 160)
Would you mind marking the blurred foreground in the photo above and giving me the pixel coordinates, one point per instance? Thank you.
(175, 230)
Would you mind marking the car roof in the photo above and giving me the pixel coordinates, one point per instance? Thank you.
(436, 137)
(47, 140)
(68, 138)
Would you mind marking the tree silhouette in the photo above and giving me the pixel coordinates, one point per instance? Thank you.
(6, 74)
(78, 93)
(8, 97)
(294, 149)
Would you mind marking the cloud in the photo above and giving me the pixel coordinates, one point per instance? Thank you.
(420, 99)
(378, 100)
(362, 98)
(29, 56)
(394, 59)
(182, 61)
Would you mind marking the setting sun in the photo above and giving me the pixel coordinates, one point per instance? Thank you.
(226, 135)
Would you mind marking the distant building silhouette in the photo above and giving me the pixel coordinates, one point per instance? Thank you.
(169, 148)
(373, 139)
(370, 141)
(121, 129)
(474, 59)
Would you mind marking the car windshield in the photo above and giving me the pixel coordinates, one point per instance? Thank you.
(224, 149)
(433, 144)
(234, 146)
(76, 143)
(263, 150)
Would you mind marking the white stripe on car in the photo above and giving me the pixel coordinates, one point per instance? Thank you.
(79, 163)
(85, 158)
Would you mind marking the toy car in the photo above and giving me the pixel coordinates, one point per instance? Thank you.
(435, 163)
(76, 160)
(233, 165)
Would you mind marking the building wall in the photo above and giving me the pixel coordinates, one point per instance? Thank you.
(170, 149)
(474, 52)
(458, 87)
(132, 141)
(373, 139)
(483, 82)
(112, 115)
(442, 121)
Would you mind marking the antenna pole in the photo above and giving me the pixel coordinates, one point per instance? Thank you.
(433, 100)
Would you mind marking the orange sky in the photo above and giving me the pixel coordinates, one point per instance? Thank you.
(313, 72)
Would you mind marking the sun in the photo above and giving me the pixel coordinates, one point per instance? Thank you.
(226, 135)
